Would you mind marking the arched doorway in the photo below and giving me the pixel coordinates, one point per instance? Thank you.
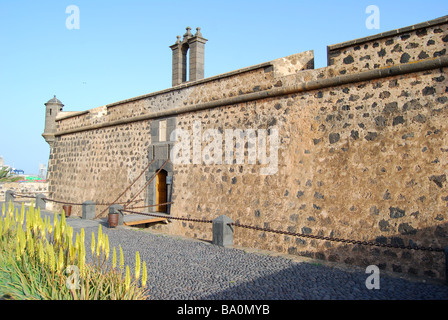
(161, 191)
(160, 172)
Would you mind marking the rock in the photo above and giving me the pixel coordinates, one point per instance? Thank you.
(396, 212)
(334, 137)
(438, 180)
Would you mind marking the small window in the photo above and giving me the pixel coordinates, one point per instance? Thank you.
(162, 131)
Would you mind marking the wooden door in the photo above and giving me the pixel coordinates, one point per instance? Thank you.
(161, 190)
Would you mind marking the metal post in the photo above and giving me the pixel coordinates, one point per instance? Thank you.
(222, 231)
(40, 202)
(115, 209)
(88, 210)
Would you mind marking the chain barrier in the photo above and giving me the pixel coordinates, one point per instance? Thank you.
(366, 243)
(74, 203)
(126, 204)
(150, 180)
(235, 224)
(113, 203)
(16, 195)
(151, 205)
(129, 187)
(167, 217)
(301, 235)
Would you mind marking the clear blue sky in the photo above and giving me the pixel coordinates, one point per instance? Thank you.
(121, 49)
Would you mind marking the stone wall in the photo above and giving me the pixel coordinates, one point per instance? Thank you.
(359, 158)
(410, 44)
(365, 161)
(28, 188)
(98, 165)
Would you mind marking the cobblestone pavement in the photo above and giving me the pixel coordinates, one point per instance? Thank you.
(188, 269)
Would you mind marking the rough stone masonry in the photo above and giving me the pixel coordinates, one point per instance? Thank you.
(362, 155)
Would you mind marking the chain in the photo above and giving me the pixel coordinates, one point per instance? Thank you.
(111, 204)
(294, 234)
(129, 187)
(152, 205)
(15, 195)
(167, 217)
(366, 243)
(74, 203)
(96, 203)
(150, 180)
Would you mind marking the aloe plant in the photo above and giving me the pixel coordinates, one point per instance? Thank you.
(35, 257)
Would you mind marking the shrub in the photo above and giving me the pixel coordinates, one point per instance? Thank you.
(40, 260)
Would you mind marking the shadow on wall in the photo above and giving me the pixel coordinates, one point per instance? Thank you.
(423, 264)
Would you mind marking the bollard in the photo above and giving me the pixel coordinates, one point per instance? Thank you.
(40, 202)
(9, 197)
(114, 211)
(88, 210)
(222, 232)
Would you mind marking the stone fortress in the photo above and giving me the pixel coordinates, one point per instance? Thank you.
(362, 149)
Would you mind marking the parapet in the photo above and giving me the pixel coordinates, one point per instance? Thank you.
(423, 41)
(409, 44)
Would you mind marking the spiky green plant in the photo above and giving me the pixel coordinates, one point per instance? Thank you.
(39, 261)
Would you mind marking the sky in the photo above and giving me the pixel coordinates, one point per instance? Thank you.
(120, 49)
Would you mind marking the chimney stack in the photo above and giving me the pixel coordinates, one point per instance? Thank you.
(195, 44)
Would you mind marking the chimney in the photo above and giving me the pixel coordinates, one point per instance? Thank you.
(195, 44)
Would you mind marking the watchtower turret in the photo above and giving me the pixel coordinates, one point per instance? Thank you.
(53, 107)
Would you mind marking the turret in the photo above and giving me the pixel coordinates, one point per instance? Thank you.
(53, 107)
